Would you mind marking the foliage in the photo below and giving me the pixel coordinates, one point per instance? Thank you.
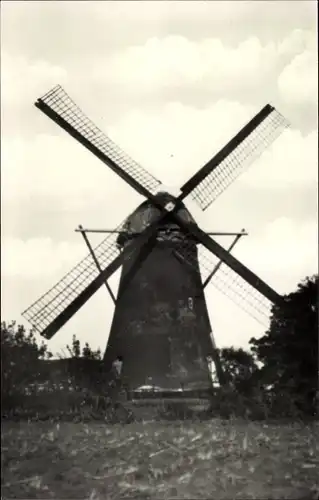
(278, 378)
(240, 396)
(87, 352)
(20, 356)
(289, 350)
(239, 368)
(33, 384)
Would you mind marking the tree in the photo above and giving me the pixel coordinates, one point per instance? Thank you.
(240, 396)
(33, 384)
(239, 367)
(289, 348)
(87, 352)
(20, 356)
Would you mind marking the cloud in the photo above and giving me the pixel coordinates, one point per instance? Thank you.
(298, 82)
(176, 140)
(283, 251)
(24, 80)
(291, 161)
(175, 61)
(97, 28)
(56, 167)
(39, 257)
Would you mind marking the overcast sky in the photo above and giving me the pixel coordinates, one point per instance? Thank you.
(170, 82)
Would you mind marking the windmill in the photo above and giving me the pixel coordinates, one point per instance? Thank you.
(161, 326)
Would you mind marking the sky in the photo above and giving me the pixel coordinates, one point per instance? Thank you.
(170, 82)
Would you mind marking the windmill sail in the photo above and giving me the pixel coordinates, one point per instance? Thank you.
(222, 170)
(58, 106)
(48, 307)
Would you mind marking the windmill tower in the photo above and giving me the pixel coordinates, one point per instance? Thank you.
(161, 325)
(168, 325)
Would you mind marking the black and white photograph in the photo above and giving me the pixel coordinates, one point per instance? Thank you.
(159, 230)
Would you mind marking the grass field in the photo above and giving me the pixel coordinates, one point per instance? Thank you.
(173, 460)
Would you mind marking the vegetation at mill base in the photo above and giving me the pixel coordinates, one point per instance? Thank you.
(289, 350)
(217, 459)
(278, 378)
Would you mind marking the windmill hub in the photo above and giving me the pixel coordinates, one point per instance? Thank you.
(170, 206)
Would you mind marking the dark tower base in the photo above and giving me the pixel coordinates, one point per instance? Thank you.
(161, 327)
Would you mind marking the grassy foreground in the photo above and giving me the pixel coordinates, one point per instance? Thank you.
(173, 460)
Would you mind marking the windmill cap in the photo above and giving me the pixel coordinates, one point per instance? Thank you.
(146, 213)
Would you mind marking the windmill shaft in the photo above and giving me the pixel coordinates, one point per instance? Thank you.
(225, 151)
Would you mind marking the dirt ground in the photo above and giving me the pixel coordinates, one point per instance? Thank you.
(173, 460)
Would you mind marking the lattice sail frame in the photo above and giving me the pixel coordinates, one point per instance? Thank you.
(62, 104)
(241, 158)
(48, 307)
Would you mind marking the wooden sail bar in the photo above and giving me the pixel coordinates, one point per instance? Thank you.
(116, 231)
